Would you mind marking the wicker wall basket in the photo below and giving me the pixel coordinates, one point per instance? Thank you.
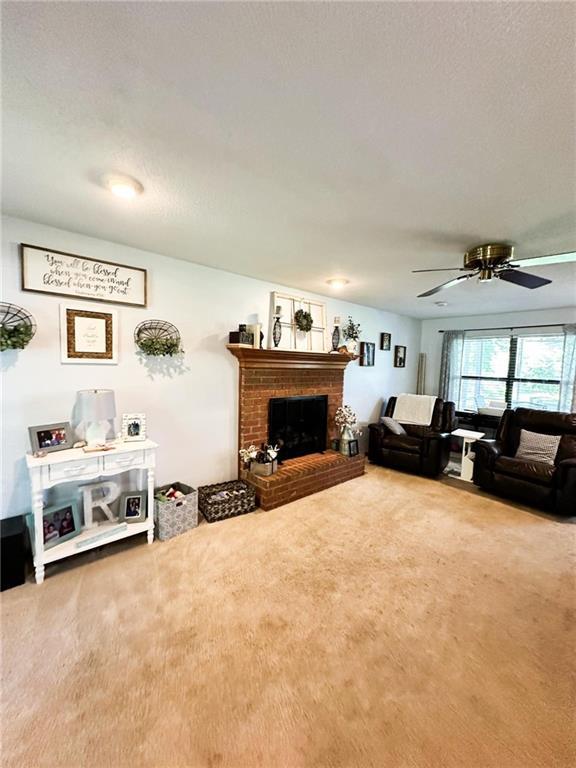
(223, 500)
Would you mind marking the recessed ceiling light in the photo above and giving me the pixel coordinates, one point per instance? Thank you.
(441, 303)
(122, 186)
(337, 282)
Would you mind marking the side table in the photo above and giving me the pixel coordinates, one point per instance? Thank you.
(468, 438)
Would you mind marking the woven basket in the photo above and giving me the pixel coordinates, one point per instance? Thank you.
(176, 516)
(223, 500)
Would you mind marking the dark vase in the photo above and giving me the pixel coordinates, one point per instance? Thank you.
(277, 332)
(335, 338)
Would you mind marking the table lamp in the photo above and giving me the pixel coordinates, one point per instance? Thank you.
(96, 407)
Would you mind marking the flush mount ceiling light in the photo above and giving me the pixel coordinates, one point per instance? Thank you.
(122, 186)
(337, 282)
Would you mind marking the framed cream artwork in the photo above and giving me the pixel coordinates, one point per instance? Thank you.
(88, 336)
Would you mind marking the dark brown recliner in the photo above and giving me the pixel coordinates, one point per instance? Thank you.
(424, 450)
(551, 486)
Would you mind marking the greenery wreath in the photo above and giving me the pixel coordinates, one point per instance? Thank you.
(15, 336)
(303, 320)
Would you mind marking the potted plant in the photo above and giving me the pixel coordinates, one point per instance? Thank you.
(351, 333)
(15, 336)
(159, 347)
(346, 419)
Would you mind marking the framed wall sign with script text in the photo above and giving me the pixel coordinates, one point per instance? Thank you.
(88, 336)
(65, 274)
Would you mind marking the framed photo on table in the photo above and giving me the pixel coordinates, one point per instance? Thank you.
(61, 522)
(51, 437)
(133, 507)
(133, 427)
(88, 336)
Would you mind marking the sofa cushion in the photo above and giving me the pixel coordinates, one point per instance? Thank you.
(535, 446)
(401, 443)
(532, 471)
(393, 426)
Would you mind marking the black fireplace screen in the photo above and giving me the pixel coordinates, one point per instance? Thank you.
(298, 424)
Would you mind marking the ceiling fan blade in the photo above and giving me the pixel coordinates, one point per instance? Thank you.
(442, 269)
(540, 261)
(449, 284)
(523, 278)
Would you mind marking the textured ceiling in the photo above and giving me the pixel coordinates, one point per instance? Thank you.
(297, 141)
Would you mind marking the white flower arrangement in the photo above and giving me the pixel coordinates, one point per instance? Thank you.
(345, 416)
(248, 454)
(263, 455)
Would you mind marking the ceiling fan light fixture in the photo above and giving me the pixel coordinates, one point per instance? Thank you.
(485, 275)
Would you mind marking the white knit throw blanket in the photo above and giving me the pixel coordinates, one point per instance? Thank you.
(414, 409)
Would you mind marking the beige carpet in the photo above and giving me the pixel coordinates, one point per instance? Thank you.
(393, 621)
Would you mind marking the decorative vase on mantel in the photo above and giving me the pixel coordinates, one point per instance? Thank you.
(277, 328)
(345, 436)
(352, 346)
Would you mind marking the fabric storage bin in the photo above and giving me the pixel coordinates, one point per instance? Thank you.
(223, 500)
(173, 517)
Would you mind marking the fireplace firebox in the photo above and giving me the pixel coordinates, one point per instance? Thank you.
(298, 424)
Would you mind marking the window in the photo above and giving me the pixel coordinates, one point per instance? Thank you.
(515, 369)
(292, 338)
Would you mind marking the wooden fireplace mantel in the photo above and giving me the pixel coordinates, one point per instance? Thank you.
(281, 358)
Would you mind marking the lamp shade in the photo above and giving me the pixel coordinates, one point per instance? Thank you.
(96, 404)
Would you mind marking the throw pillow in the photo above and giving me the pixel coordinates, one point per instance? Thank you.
(393, 426)
(535, 446)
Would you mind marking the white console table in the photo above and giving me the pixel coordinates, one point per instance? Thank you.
(76, 465)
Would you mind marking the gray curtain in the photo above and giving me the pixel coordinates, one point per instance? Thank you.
(451, 366)
(568, 383)
(421, 376)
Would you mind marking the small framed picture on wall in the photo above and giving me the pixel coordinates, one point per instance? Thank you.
(385, 341)
(399, 357)
(367, 352)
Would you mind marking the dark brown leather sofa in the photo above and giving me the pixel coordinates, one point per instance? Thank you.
(423, 450)
(550, 486)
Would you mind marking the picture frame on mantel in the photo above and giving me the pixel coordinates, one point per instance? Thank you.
(45, 270)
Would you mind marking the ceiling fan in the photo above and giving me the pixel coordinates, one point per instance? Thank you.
(495, 260)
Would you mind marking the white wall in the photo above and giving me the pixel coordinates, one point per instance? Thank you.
(191, 412)
(431, 340)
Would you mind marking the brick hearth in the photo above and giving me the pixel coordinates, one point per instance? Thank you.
(275, 373)
(301, 477)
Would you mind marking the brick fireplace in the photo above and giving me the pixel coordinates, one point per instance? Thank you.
(266, 374)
